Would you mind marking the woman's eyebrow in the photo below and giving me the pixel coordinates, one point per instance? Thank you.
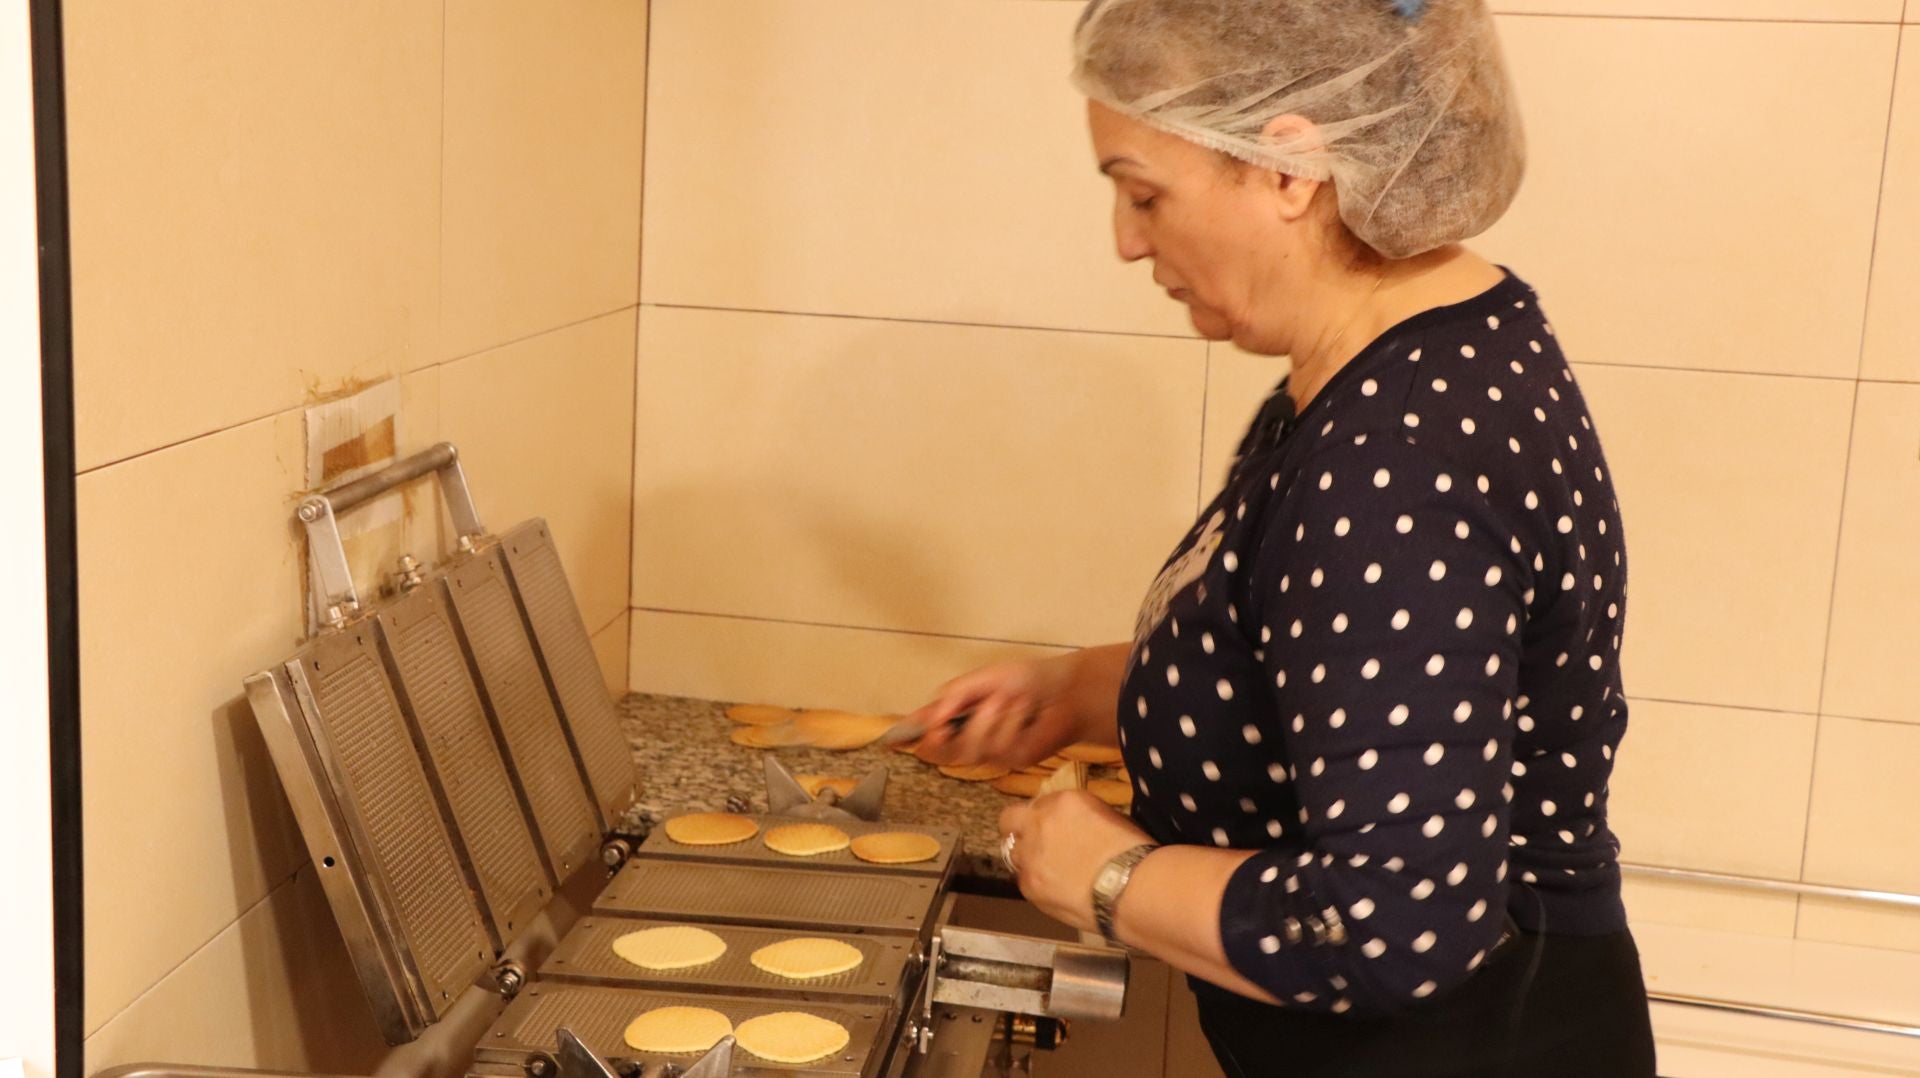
(1107, 166)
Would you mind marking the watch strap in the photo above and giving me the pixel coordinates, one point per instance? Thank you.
(1111, 881)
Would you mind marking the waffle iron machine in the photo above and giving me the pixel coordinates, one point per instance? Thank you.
(468, 799)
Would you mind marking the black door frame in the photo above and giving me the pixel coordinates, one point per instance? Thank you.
(63, 600)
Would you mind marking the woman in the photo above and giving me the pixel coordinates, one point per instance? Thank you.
(1372, 701)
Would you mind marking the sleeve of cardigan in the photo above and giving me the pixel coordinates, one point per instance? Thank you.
(1389, 595)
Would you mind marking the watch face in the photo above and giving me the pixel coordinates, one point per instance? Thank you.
(1108, 878)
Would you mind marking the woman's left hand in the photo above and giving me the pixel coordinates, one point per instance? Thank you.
(1063, 840)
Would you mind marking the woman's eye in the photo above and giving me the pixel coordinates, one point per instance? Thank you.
(1143, 204)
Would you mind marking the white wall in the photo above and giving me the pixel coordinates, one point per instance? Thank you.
(26, 902)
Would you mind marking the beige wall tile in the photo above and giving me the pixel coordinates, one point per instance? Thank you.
(746, 660)
(1237, 384)
(1746, 10)
(1786, 972)
(1651, 236)
(545, 104)
(1893, 319)
(1712, 788)
(1859, 830)
(1871, 671)
(610, 648)
(545, 428)
(972, 481)
(273, 990)
(924, 161)
(190, 580)
(1731, 515)
(1860, 924)
(1696, 905)
(255, 208)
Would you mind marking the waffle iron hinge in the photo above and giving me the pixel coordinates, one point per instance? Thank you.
(332, 599)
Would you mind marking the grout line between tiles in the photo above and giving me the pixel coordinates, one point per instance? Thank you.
(1846, 471)
(440, 207)
(297, 409)
(1879, 204)
(854, 628)
(608, 624)
(1880, 720)
(639, 289)
(524, 338)
(1191, 338)
(203, 945)
(640, 308)
(1708, 19)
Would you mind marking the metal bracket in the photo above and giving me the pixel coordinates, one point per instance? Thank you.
(786, 797)
(331, 597)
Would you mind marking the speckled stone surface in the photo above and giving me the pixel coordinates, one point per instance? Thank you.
(687, 763)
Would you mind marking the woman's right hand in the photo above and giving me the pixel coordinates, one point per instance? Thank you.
(1022, 712)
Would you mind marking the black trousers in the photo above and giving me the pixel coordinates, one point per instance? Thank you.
(1554, 1006)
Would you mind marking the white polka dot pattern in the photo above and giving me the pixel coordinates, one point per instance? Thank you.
(1403, 672)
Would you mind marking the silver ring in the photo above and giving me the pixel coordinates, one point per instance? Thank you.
(1006, 852)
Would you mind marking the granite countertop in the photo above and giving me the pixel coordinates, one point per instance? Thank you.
(686, 762)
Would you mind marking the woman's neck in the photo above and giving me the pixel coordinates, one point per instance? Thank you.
(1359, 305)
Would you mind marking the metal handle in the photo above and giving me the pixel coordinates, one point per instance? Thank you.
(333, 599)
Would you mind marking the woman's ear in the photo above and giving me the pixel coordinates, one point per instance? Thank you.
(1295, 136)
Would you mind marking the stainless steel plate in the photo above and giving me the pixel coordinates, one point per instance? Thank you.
(599, 1017)
(463, 759)
(586, 954)
(702, 891)
(409, 861)
(572, 669)
(755, 851)
(516, 696)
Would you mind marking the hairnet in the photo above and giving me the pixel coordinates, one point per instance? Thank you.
(1414, 122)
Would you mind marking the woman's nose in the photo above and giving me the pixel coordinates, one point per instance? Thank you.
(1128, 238)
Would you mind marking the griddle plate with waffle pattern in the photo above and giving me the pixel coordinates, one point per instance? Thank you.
(676, 889)
(755, 851)
(586, 954)
(599, 1017)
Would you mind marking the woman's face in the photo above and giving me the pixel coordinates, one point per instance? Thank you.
(1224, 239)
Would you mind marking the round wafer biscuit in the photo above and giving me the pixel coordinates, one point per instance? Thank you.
(677, 1030)
(791, 1037)
(670, 947)
(813, 784)
(973, 772)
(1088, 753)
(760, 714)
(896, 847)
(710, 829)
(785, 735)
(1019, 784)
(1112, 791)
(841, 730)
(807, 957)
(806, 839)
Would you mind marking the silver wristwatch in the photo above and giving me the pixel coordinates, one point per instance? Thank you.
(1110, 881)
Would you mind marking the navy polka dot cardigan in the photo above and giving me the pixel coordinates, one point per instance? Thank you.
(1387, 658)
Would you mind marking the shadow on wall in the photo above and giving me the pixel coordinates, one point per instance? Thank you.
(303, 1008)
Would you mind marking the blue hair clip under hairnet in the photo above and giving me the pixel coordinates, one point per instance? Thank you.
(1410, 9)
